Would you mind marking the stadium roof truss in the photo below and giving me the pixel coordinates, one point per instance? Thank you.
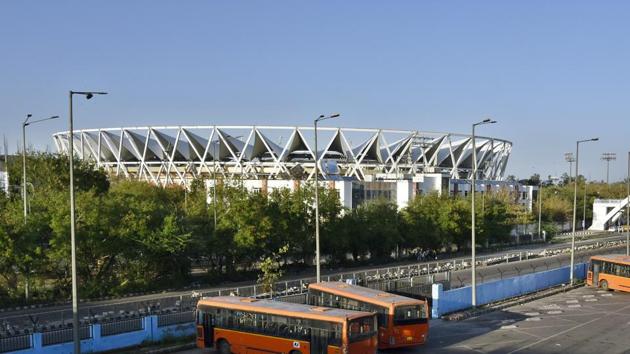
(179, 154)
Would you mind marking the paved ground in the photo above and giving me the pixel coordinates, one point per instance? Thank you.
(585, 320)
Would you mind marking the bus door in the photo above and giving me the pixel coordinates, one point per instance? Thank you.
(596, 268)
(319, 341)
(208, 329)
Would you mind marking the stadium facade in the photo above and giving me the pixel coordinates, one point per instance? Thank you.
(362, 164)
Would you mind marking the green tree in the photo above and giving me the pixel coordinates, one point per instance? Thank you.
(271, 269)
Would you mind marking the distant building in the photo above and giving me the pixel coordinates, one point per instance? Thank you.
(353, 193)
(361, 164)
(609, 214)
(4, 178)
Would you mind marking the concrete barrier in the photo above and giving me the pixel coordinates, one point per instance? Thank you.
(150, 332)
(459, 299)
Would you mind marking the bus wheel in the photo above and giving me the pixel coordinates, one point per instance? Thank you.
(295, 352)
(224, 347)
(604, 284)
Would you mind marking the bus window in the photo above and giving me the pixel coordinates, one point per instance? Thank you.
(361, 329)
(409, 314)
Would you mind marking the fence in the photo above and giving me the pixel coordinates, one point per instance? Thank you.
(459, 299)
(56, 336)
(116, 327)
(18, 342)
(409, 276)
(175, 318)
(100, 337)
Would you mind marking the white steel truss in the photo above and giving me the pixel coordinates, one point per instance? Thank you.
(179, 154)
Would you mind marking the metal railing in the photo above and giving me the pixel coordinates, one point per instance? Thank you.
(15, 342)
(433, 271)
(116, 327)
(64, 335)
(175, 318)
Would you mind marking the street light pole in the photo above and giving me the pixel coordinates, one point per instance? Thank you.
(584, 207)
(24, 191)
(577, 160)
(75, 292)
(317, 261)
(539, 209)
(628, 210)
(473, 240)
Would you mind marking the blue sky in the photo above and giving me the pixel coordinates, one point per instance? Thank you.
(550, 72)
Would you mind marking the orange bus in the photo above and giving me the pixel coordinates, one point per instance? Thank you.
(243, 325)
(609, 272)
(402, 321)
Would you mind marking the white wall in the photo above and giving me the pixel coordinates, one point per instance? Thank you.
(404, 193)
(345, 193)
(4, 182)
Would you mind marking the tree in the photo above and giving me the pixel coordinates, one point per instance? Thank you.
(534, 180)
(270, 270)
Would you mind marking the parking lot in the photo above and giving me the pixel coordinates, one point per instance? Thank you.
(584, 320)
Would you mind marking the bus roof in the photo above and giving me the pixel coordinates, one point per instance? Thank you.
(360, 293)
(281, 308)
(617, 258)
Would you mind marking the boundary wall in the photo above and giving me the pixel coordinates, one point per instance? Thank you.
(459, 299)
(150, 332)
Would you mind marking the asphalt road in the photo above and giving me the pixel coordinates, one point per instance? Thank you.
(63, 312)
(584, 320)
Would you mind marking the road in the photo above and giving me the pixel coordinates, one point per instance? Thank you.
(140, 304)
(584, 320)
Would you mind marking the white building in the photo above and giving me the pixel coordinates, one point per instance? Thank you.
(4, 178)
(607, 213)
(353, 193)
(361, 163)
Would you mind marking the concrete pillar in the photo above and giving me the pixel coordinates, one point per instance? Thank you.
(97, 340)
(37, 343)
(151, 328)
(436, 292)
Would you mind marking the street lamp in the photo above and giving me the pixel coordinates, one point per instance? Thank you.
(24, 125)
(75, 296)
(473, 241)
(317, 263)
(577, 161)
(628, 210)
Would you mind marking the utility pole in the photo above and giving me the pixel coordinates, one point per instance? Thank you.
(584, 208)
(317, 260)
(73, 254)
(577, 160)
(25, 124)
(539, 209)
(473, 240)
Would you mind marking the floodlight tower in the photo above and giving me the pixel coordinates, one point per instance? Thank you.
(608, 156)
(570, 158)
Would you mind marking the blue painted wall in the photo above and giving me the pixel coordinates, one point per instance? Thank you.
(150, 333)
(459, 299)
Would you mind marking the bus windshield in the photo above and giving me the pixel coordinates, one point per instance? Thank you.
(409, 314)
(361, 328)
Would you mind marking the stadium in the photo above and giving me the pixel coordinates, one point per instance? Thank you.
(395, 164)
